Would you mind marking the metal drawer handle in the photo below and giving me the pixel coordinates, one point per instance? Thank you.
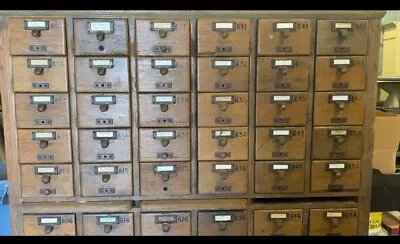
(166, 227)
(48, 229)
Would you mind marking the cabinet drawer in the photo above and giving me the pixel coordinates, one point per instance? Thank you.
(49, 181)
(342, 37)
(105, 74)
(223, 74)
(222, 223)
(280, 143)
(162, 37)
(285, 177)
(42, 110)
(337, 73)
(217, 109)
(344, 142)
(103, 110)
(105, 145)
(223, 178)
(44, 146)
(335, 176)
(101, 36)
(333, 222)
(284, 37)
(165, 179)
(223, 37)
(164, 144)
(276, 109)
(169, 74)
(37, 36)
(282, 222)
(338, 108)
(115, 224)
(106, 179)
(282, 73)
(227, 143)
(164, 110)
(166, 224)
(40, 74)
(49, 225)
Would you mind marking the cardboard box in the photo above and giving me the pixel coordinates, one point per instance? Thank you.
(386, 143)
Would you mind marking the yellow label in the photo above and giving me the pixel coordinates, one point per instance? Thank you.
(375, 220)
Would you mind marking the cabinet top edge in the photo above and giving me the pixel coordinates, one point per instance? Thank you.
(324, 14)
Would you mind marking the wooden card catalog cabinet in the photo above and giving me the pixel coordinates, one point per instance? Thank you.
(177, 123)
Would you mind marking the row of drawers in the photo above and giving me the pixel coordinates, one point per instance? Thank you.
(172, 37)
(220, 144)
(335, 221)
(174, 178)
(173, 110)
(49, 74)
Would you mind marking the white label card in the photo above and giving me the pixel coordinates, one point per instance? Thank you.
(278, 216)
(49, 220)
(168, 168)
(338, 132)
(44, 135)
(222, 218)
(224, 25)
(223, 63)
(164, 98)
(223, 166)
(46, 170)
(106, 169)
(104, 134)
(334, 214)
(224, 99)
(164, 134)
(341, 61)
(103, 99)
(284, 25)
(282, 98)
(343, 25)
(280, 166)
(108, 219)
(336, 166)
(281, 132)
(340, 98)
(283, 62)
(100, 26)
(102, 62)
(223, 133)
(163, 62)
(162, 25)
(45, 99)
(36, 24)
(40, 62)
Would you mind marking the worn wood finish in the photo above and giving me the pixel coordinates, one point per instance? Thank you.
(41, 150)
(287, 222)
(164, 110)
(65, 225)
(223, 148)
(99, 78)
(36, 182)
(161, 42)
(194, 31)
(31, 115)
(335, 175)
(344, 142)
(222, 223)
(333, 221)
(154, 78)
(166, 224)
(154, 147)
(222, 109)
(335, 37)
(93, 36)
(280, 143)
(230, 74)
(284, 36)
(223, 37)
(106, 179)
(284, 177)
(117, 150)
(53, 79)
(338, 108)
(165, 179)
(281, 109)
(53, 38)
(282, 73)
(223, 177)
(94, 115)
(341, 76)
(116, 224)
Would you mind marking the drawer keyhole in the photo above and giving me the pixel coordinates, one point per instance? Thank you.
(38, 71)
(101, 48)
(107, 229)
(36, 33)
(105, 178)
(166, 227)
(48, 229)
